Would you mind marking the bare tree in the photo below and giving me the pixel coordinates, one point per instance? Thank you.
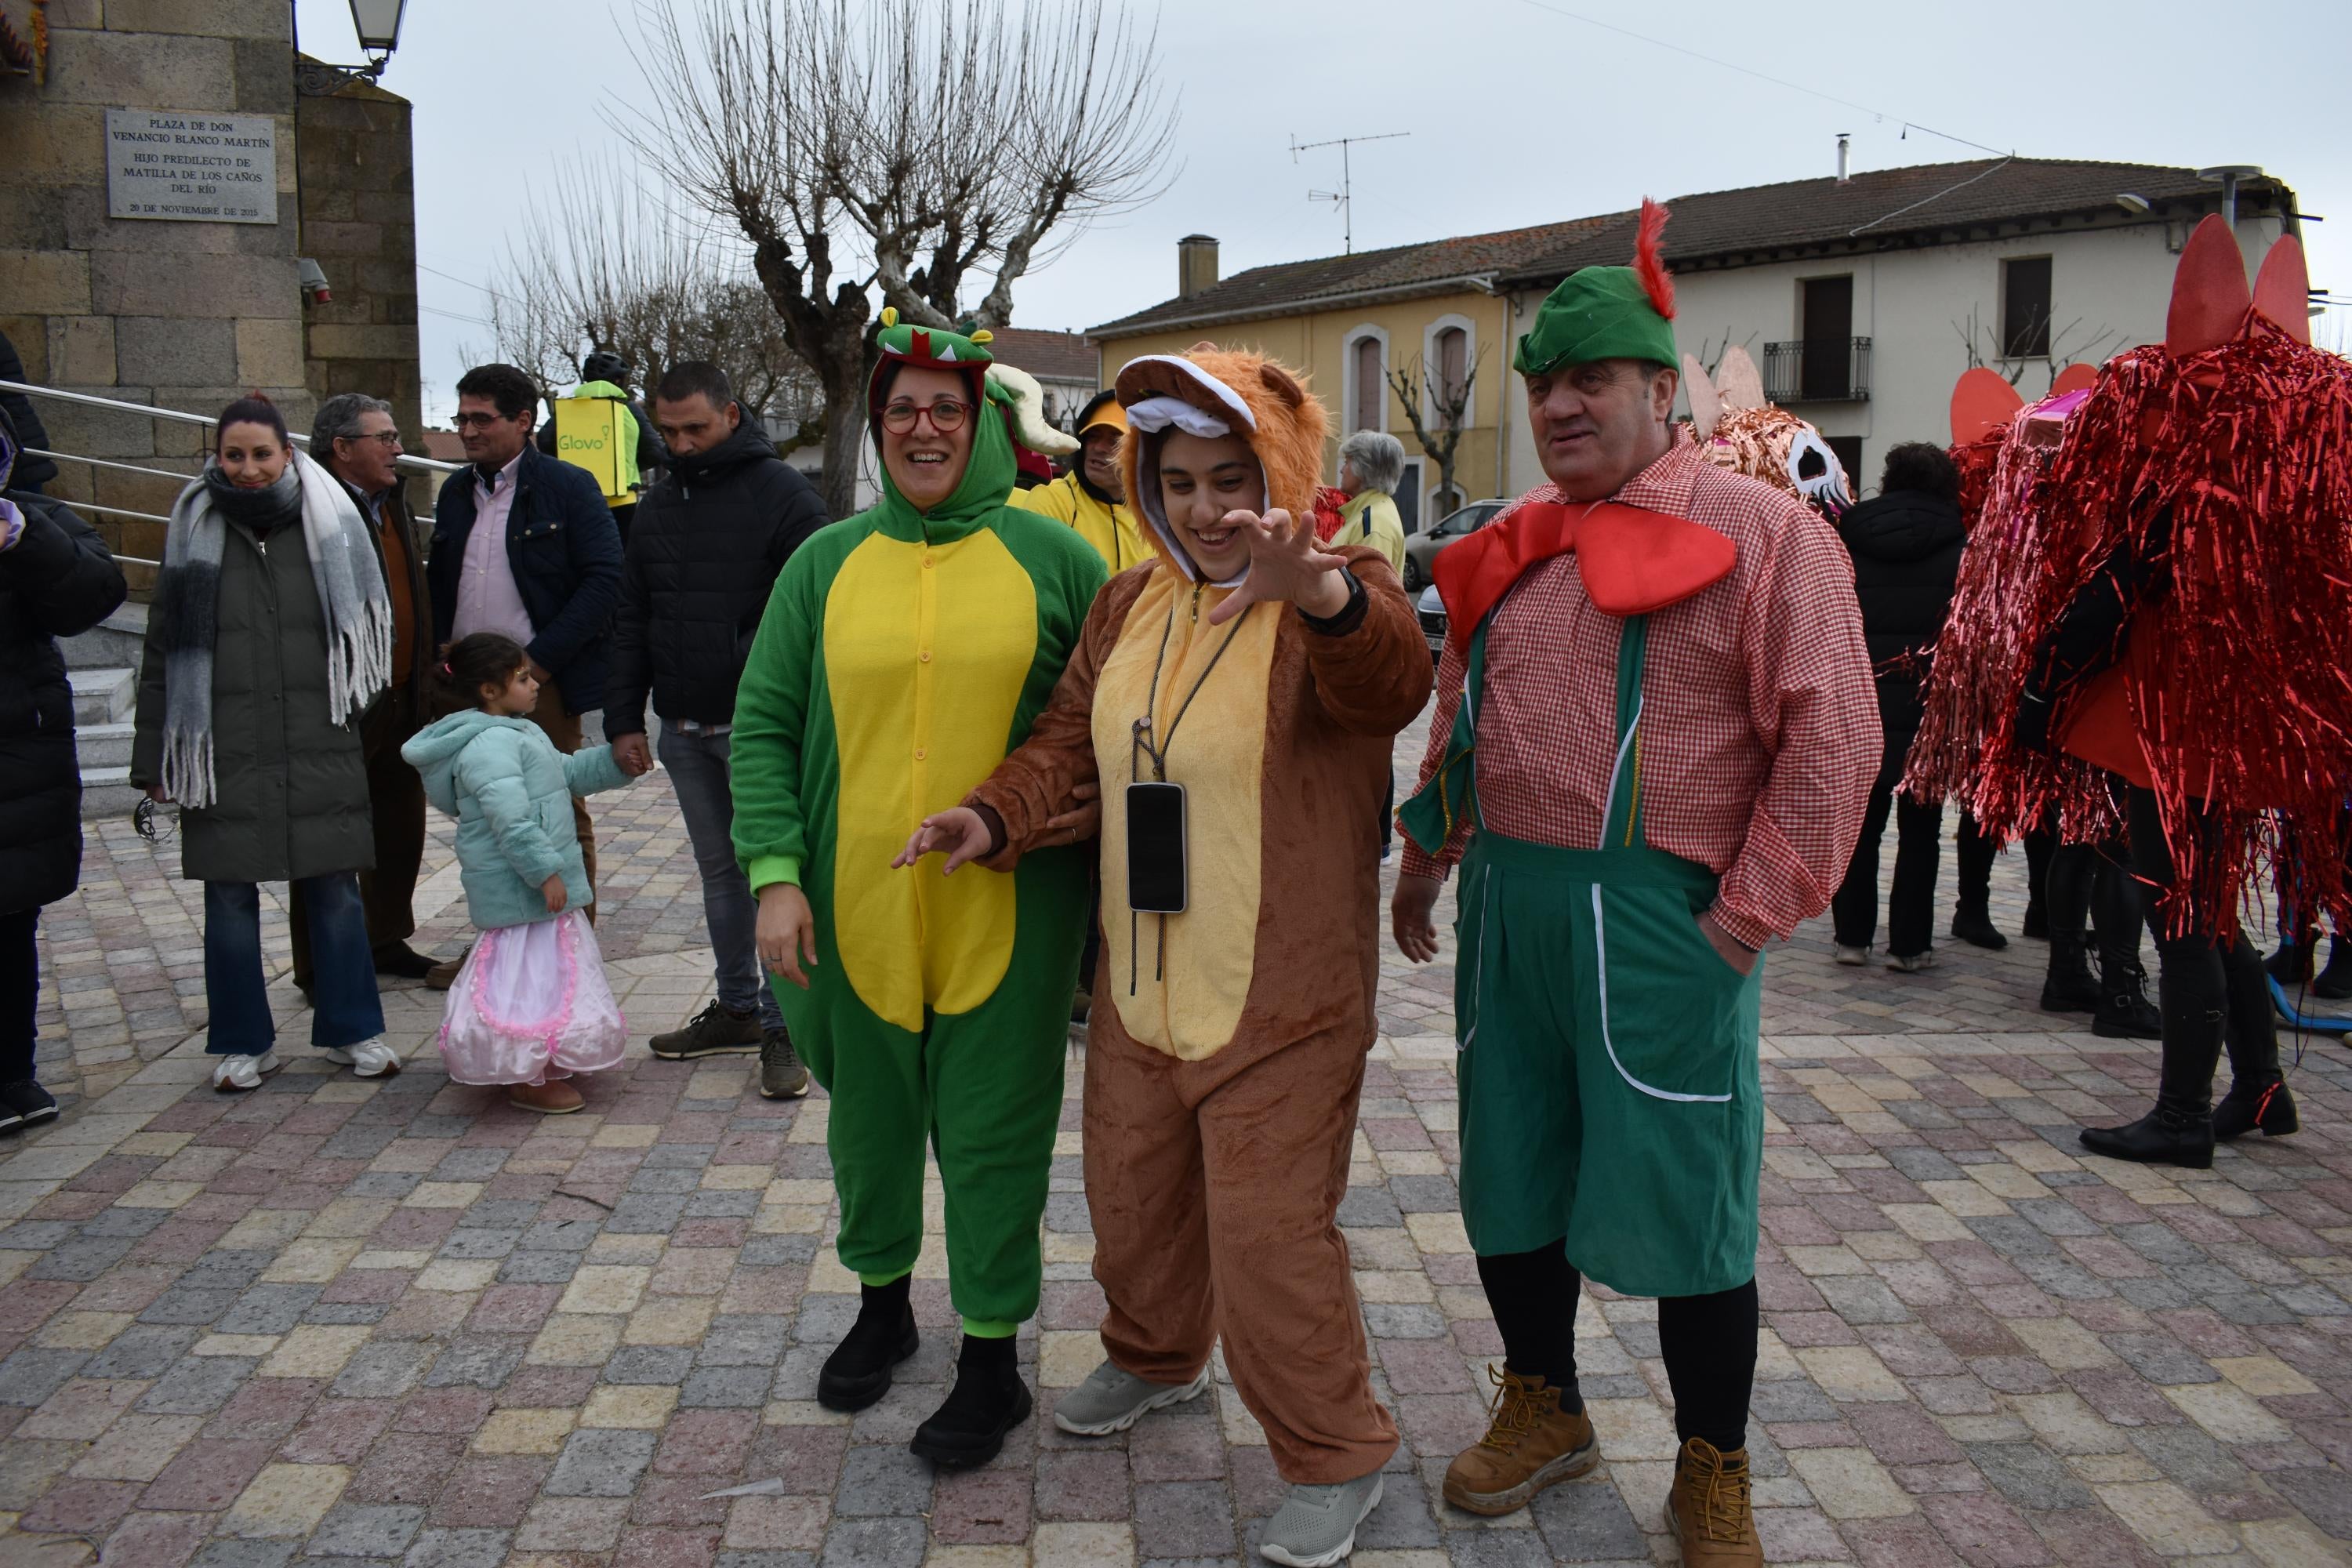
(604, 263)
(1984, 349)
(904, 148)
(1438, 409)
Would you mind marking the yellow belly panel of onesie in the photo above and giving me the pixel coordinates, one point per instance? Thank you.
(936, 641)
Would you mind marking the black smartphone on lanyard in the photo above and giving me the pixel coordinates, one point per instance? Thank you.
(1155, 848)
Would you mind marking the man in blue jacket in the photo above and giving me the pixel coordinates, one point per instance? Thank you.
(524, 545)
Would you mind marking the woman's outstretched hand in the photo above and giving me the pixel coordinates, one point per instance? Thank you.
(1286, 562)
(959, 830)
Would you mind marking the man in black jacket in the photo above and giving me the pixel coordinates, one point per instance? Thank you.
(1906, 542)
(354, 439)
(546, 571)
(708, 541)
(55, 580)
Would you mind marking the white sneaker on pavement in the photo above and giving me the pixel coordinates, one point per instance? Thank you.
(369, 1058)
(1316, 1526)
(236, 1075)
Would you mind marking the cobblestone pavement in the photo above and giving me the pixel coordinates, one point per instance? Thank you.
(394, 1322)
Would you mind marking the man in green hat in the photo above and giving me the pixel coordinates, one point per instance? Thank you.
(1655, 735)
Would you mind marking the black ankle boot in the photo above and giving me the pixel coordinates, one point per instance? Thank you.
(858, 1373)
(2037, 922)
(2334, 982)
(2248, 1106)
(989, 1400)
(2177, 1133)
(2069, 988)
(2290, 965)
(1973, 924)
(2125, 1013)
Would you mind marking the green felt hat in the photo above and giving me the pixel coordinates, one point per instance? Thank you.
(1607, 312)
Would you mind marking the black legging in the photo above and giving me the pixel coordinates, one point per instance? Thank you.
(20, 992)
(1911, 900)
(1975, 864)
(2209, 982)
(1708, 1342)
(2092, 885)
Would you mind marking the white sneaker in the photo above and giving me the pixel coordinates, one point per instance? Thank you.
(1853, 957)
(1316, 1526)
(236, 1075)
(369, 1058)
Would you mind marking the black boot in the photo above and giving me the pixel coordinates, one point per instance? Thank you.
(2037, 922)
(2069, 987)
(2290, 965)
(858, 1373)
(2248, 1106)
(2177, 1133)
(1973, 925)
(989, 1400)
(2334, 982)
(2125, 1013)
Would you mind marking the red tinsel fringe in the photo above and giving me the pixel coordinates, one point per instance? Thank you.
(1965, 749)
(2242, 677)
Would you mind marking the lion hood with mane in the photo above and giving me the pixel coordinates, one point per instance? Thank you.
(1211, 391)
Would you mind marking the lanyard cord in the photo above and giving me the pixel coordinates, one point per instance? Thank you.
(1142, 742)
(1143, 726)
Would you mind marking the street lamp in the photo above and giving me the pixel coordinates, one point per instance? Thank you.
(377, 21)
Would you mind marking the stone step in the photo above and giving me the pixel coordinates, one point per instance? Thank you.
(117, 640)
(107, 791)
(104, 696)
(103, 746)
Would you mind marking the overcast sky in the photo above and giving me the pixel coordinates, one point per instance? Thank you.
(1518, 115)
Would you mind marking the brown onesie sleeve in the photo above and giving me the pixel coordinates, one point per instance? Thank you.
(1038, 780)
(1374, 679)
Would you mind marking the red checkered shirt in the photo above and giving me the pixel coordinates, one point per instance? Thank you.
(1759, 725)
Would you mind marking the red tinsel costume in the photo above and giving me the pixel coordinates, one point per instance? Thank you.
(2209, 482)
(1966, 751)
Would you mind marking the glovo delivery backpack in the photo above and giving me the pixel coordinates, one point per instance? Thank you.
(600, 435)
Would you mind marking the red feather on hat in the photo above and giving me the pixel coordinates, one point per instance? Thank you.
(1648, 265)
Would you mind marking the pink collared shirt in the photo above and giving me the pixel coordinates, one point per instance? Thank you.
(487, 599)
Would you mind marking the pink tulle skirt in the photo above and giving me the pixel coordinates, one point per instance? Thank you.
(530, 1003)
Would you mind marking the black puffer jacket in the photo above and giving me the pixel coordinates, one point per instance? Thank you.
(31, 472)
(1907, 558)
(57, 581)
(709, 538)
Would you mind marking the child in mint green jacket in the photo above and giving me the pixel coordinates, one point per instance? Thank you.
(531, 1007)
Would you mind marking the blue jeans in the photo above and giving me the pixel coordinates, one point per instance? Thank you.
(346, 1008)
(697, 772)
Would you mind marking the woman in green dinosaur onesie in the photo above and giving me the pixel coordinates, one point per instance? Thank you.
(904, 652)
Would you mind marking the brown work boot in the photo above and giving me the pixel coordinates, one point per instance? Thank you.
(1707, 1510)
(1530, 1444)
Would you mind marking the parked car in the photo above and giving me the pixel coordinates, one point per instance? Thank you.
(1421, 548)
(1432, 611)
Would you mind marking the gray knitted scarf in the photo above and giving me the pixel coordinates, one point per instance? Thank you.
(352, 596)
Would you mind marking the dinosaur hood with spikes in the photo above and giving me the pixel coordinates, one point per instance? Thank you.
(1607, 312)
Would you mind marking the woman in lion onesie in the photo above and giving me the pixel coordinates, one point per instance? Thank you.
(1268, 678)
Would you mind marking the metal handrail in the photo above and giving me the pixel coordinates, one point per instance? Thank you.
(421, 465)
(105, 463)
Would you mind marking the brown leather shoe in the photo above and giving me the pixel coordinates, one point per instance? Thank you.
(1530, 1444)
(444, 973)
(1708, 1510)
(554, 1098)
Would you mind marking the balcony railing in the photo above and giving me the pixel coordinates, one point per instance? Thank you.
(1835, 369)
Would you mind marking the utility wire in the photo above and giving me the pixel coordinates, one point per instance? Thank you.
(1761, 76)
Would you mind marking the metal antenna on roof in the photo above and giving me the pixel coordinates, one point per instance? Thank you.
(1347, 217)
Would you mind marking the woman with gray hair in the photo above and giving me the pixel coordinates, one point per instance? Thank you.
(1372, 466)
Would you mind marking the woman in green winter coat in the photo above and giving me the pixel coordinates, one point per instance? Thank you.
(271, 633)
(531, 1007)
